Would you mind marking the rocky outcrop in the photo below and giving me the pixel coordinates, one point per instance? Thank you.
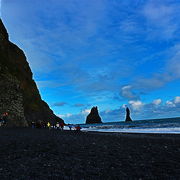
(93, 116)
(19, 95)
(128, 118)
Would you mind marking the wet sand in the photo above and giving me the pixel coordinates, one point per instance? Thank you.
(40, 154)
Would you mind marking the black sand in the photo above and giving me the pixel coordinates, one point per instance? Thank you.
(39, 154)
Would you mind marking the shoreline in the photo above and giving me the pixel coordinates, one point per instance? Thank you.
(131, 133)
(94, 131)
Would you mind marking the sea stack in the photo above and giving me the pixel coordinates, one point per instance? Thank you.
(128, 118)
(19, 96)
(93, 116)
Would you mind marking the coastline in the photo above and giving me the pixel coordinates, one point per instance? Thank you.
(138, 131)
(53, 154)
(160, 126)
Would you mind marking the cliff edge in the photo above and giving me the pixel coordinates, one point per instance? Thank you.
(19, 95)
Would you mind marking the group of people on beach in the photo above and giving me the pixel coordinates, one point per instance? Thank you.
(58, 126)
(41, 124)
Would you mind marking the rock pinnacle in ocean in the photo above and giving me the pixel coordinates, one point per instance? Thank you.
(128, 118)
(93, 116)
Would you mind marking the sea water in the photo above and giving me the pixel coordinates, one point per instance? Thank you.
(168, 125)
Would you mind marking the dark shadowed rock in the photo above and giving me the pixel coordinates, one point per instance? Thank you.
(19, 95)
(128, 118)
(93, 116)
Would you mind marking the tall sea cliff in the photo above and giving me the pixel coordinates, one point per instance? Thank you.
(19, 95)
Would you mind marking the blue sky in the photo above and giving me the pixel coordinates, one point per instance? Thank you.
(104, 53)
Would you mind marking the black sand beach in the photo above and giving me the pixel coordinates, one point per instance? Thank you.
(40, 154)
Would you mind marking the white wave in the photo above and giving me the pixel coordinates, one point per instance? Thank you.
(133, 130)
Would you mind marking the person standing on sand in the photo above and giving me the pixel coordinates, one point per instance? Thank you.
(33, 124)
(57, 125)
(78, 128)
(62, 126)
(49, 125)
(5, 117)
(70, 127)
(1, 121)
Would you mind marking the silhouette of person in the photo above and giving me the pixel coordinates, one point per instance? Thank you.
(49, 125)
(57, 125)
(78, 128)
(62, 126)
(5, 117)
(70, 127)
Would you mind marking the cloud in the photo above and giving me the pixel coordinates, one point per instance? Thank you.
(94, 49)
(161, 18)
(61, 26)
(129, 26)
(173, 65)
(85, 111)
(154, 109)
(174, 103)
(177, 100)
(136, 105)
(68, 115)
(79, 105)
(73, 118)
(127, 92)
(49, 83)
(170, 104)
(169, 72)
(59, 104)
(139, 111)
(157, 101)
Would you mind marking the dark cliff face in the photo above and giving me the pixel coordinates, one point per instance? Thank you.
(93, 116)
(19, 95)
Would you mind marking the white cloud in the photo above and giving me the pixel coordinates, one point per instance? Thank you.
(157, 101)
(126, 91)
(139, 110)
(170, 71)
(107, 111)
(129, 26)
(173, 65)
(79, 105)
(174, 103)
(136, 105)
(124, 106)
(49, 83)
(65, 115)
(157, 12)
(177, 99)
(161, 18)
(85, 111)
(59, 104)
(170, 104)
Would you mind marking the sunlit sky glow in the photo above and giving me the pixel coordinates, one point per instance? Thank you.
(104, 53)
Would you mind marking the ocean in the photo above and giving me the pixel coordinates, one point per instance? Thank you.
(167, 125)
